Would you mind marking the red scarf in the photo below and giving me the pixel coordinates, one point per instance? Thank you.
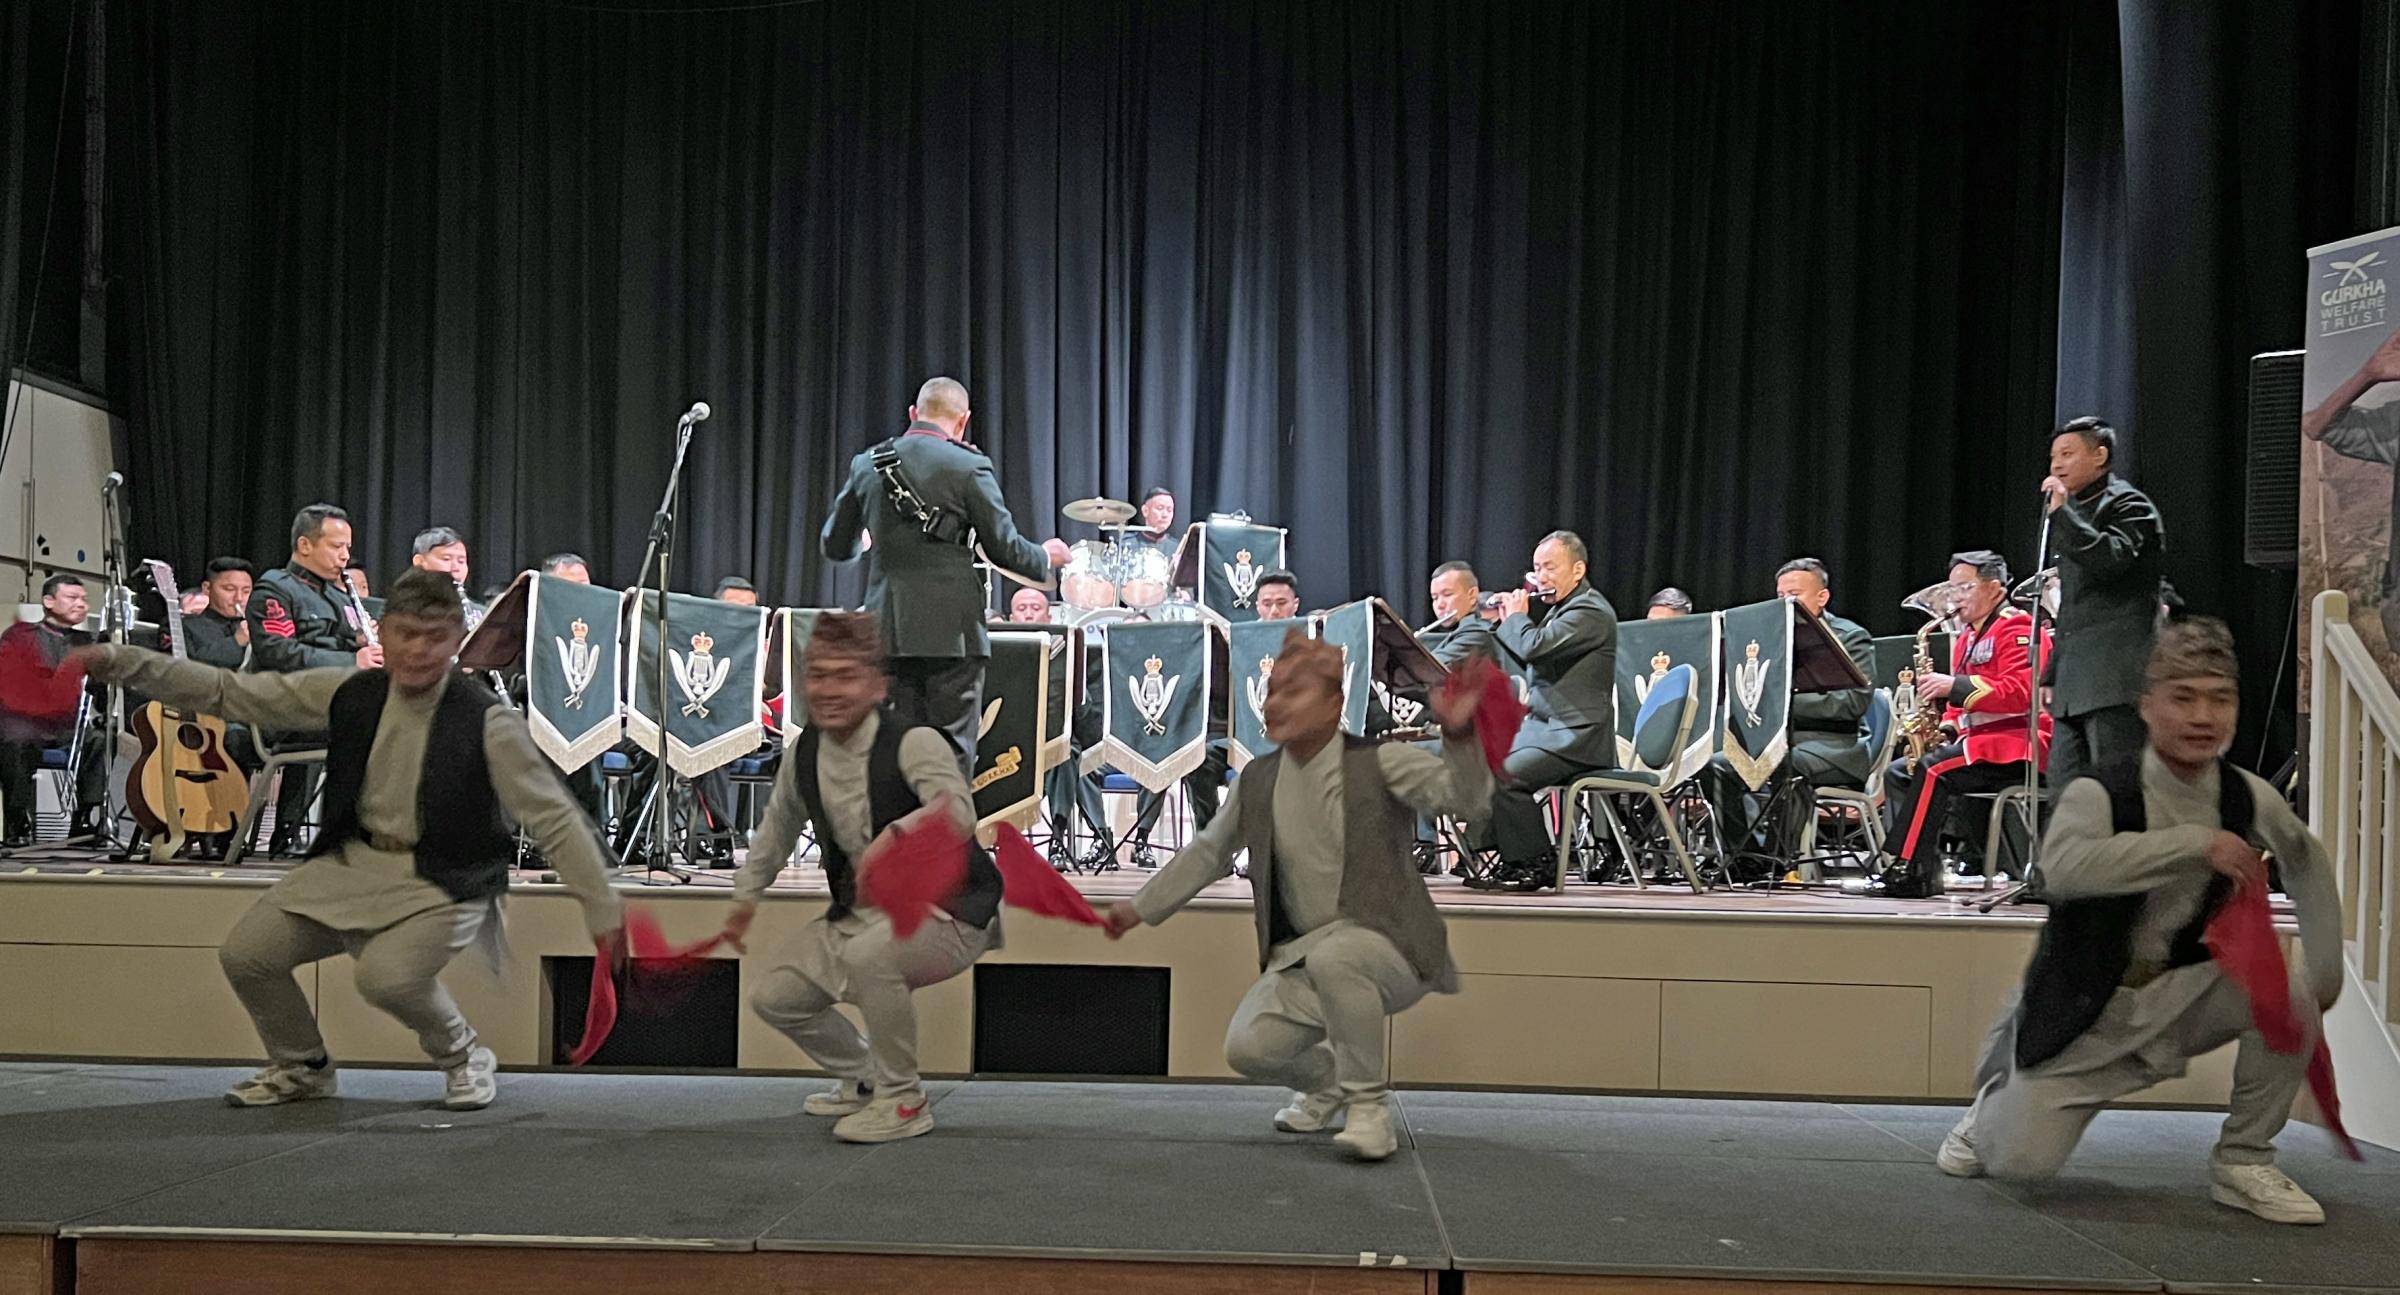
(2241, 937)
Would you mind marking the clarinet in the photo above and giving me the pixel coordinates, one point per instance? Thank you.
(358, 606)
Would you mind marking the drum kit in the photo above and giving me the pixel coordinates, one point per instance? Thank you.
(1117, 577)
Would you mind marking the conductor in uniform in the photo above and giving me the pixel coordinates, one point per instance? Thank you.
(930, 501)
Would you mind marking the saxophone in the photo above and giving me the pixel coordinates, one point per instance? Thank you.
(1921, 721)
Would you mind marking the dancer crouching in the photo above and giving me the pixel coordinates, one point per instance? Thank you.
(856, 773)
(425, 770)
(2121, 991)
(1347, 936)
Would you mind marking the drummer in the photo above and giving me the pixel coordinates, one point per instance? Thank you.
(1158, 519)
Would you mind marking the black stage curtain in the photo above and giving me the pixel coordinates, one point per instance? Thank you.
(2218, 145)
(1714, 283)
(42, 48)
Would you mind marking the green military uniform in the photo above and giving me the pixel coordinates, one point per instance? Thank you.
(924, 589)
(1451, 643)
(2111, 546)
(1826, 750)
(1569, 659)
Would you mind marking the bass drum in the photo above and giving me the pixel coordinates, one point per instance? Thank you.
(1088, 581)
(1178, 608)
(1142, 578)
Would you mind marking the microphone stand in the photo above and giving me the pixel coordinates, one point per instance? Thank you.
(2023, 891)
(113, 628)
(661, 549)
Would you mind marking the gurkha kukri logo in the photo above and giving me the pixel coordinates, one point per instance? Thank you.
(700, 675)
(580, 660)
(1242, 578)
(1151, 694)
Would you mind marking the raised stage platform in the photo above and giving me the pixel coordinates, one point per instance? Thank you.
(138, 1180)
(1808, 994)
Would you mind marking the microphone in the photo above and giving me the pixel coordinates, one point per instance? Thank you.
(698, 413)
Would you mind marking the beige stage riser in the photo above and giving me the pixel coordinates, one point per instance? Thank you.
(1859, 1007)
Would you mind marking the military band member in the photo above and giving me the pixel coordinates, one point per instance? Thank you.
(1827, 747)
(1565, 644)
(1667, 604)
(1069, 790)
(1987, 701)
(1461, 628)
(427, 776)
(2122, 992)
(858, 771)
(439, 548)
(303, 616)
(2110, 545)
(44, 645)
(738, 591)
(930, 500)
(569, 567)
(1347, 936)
(1158, 522)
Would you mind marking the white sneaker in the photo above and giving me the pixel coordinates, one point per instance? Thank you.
(1367, 1134)
(472, 1084)
(2265, 1191)
(843, 1098)
(887, 1119)
(1310, 1113)
(285, 1081)
(1957, 1157)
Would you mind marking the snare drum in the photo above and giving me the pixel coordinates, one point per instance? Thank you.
(1089, 579)
(1178, 608)
(1142, 577)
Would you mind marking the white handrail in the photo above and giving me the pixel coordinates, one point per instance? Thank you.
(2354, 794)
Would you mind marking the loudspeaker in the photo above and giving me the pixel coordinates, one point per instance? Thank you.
(2271, 503)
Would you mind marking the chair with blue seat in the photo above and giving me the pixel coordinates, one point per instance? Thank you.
(1882, 733)
(1660, 733)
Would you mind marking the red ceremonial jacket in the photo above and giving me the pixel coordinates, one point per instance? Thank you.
(1992, 688)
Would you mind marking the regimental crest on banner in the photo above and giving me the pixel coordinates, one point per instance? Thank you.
(1255, 690)
(1759, 693)
(1152, 695)
(1405, 712)
(1660, 663)
(578, 662)
(1252, 647)
(1241, 576)
(1647, 652)
(574, 672)
(699, 674)
(716, 673)
(1155, 708)
(1232, 557)
(1750, 680)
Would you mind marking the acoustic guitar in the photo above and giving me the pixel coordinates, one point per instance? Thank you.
(183, 781)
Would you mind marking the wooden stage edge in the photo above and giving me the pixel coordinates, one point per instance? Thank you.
(1814, 994)
(131, 1266)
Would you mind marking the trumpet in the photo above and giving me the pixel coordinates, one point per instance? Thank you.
(1921, 721)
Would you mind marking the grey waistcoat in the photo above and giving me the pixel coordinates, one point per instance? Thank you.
(1381, 889)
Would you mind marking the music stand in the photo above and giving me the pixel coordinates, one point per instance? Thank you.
(1820, 664)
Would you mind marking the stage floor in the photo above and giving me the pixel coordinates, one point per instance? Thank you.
(1486, 1183)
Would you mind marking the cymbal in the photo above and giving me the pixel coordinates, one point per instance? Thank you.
(1098, 512)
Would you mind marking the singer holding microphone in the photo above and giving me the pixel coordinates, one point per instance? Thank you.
(930, 502)
(303, 617)
(2110, 546)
